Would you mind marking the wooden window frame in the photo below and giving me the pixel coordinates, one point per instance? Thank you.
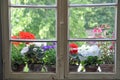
(62, 43)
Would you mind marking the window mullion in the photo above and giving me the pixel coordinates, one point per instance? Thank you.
(61, 37)
(118, 41)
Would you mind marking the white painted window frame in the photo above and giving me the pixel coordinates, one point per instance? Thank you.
(62, 43)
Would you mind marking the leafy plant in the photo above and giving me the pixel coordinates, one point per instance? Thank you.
(33, 54)
(73, 54)
(91, 60)
(107, 52)
(50, 57)
(74, 61)
(107, 59)
(16, 58)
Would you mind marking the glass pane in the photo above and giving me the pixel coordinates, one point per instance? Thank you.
(39, 23)
(33, 56)
(91, 1)
(34, 2)
(92, 56)
(94, 22)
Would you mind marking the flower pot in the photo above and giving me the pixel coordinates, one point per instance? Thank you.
(51, 68)
(18, 68)
(73, 68)
(107, 67)
(91, 68)
(35, 67)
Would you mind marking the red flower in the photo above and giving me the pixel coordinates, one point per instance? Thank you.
(73, 48)
(111, 47)
(15, 43)
(26, 35)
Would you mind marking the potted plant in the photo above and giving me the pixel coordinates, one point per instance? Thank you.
(74, 64)
(107, 57)
(107, 63)
(91, 63)
(34, 56)
(74, 60)
(17, 60)
(89, 55)
(50, 57)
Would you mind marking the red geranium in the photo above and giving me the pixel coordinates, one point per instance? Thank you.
(73, 48)
(23, 35)
(15, 43)
(26, 35)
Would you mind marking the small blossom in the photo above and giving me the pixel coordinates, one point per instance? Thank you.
(24, 50)
(97, 30)
(111, 47)
(35, 49)
(47, 47)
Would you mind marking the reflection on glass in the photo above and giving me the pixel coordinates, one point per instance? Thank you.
(34, 2)
(94, 22)
(40, 22)
(91, 56)
(33, 56)
(91, 1)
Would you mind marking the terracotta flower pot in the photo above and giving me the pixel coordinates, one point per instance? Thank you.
(107, 67)
(35, 67)
(73, 68)
(91, 68)
(18, 68)
(51, 68)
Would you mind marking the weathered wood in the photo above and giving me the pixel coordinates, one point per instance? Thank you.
(1, 65)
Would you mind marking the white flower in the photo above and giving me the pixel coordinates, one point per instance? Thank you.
(24, 50)
(84, 51)
(34, 49)
(39, 44)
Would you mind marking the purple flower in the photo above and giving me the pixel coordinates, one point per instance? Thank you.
(48, 47)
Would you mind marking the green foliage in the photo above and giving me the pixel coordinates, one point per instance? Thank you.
(50, 57)
(74, 61)
(41, 2)
(91, 60)
(16, 57)
(107, 53)
(107, 59)
(42, 22)
(34, 54)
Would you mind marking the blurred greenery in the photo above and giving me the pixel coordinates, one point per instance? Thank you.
(50, 57)
(42, 21)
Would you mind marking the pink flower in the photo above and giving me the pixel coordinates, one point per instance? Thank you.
(97, 30)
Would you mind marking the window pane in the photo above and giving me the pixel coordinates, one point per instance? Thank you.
(94, 22)
(39, 22)
(91, 1)
(34, 2)
(33, 56)
(92, 56)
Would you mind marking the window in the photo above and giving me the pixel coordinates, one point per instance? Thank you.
(66, 36)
